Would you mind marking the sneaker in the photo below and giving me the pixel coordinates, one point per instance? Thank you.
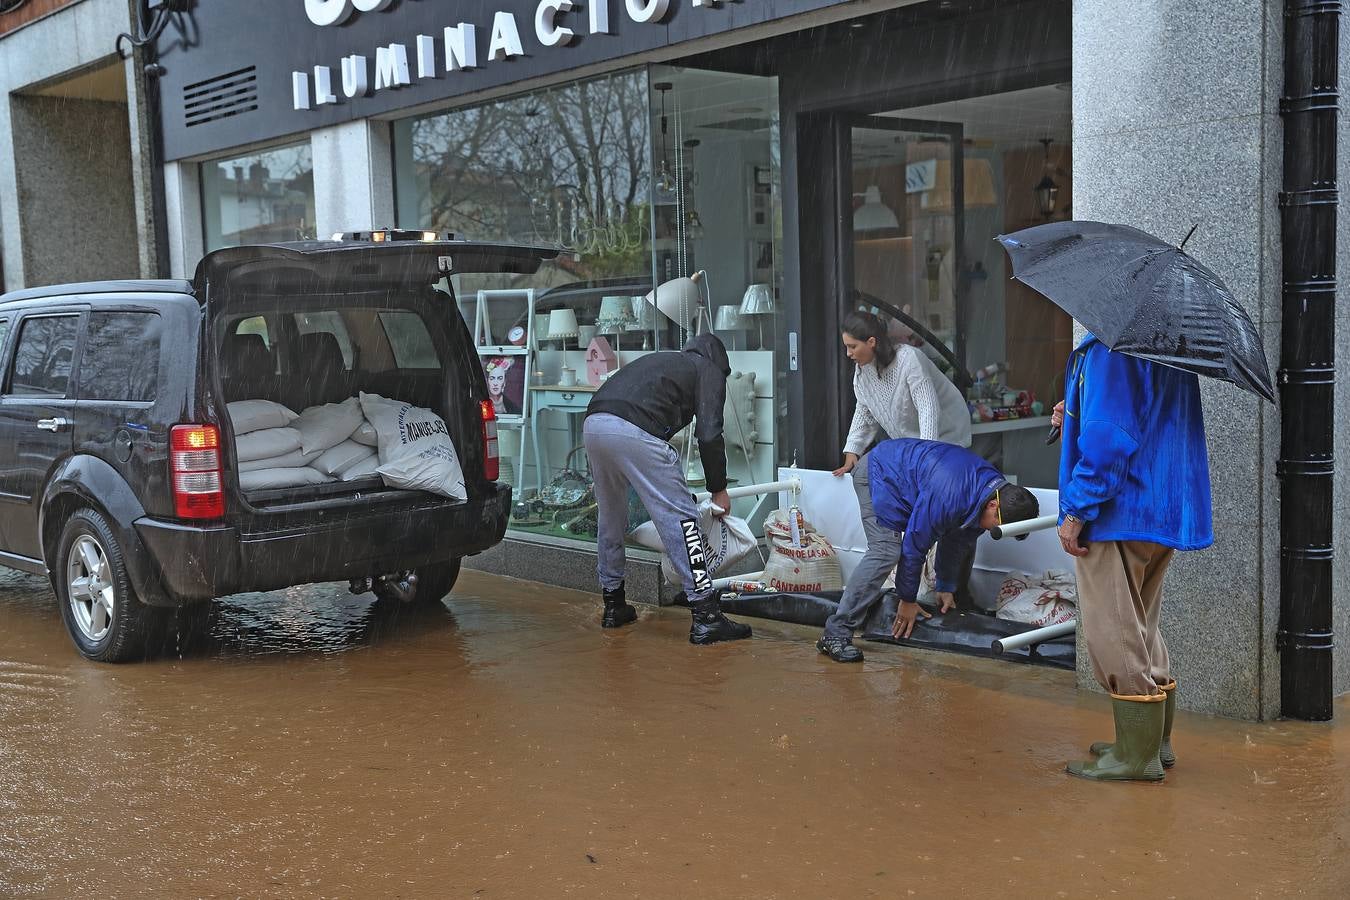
(709, 625)
(617, 612)
(839, 649)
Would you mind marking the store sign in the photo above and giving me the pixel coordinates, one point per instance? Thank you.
(463, 46)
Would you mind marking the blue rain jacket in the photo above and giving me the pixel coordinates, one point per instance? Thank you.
(930, 490)
(1134, 466)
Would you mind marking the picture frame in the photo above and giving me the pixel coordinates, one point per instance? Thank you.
(506, 371)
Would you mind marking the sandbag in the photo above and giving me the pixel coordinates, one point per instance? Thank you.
(813, 566)
(416, 452)
(254, 415)
(293, 460)
(336, 460)
(363, 469)
(266, 444)
(1046, 599)
(365, 434)
(324, 427)
(726, 540)
(262, 479)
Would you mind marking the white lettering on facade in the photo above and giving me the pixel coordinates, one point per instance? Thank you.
(335, 12)
(461, 47)
(323, 85)
(391, 67)
(707, 3)
(645, 11)
(426, 56)
(546, 26)
(355, 80)
(598, 13)
(300, 90)
(505, 41)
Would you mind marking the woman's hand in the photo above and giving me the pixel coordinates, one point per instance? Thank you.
(850, 460)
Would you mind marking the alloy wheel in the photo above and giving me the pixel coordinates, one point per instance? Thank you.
(90, 589)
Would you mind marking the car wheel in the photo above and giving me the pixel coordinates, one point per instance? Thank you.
(436, 580)
(104, 618)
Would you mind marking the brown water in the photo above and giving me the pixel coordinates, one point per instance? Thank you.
(505, 747)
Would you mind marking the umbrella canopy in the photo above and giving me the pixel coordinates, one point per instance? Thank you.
(1142, 296)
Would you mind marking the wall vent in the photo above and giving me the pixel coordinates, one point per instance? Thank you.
(220, 97)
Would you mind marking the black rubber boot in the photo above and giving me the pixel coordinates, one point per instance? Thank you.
(1165, 754)
(710, 626)
(617, 610)
(839, 649)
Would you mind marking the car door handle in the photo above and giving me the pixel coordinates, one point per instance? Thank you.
(57, 424)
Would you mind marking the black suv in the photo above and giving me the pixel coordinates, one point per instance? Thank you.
(117, 476)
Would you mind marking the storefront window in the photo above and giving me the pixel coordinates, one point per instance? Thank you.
(573, 167)
(260, 198)
(932, 186)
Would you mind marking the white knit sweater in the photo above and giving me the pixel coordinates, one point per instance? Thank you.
(910, 398)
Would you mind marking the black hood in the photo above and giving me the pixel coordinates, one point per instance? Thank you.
(709, 346)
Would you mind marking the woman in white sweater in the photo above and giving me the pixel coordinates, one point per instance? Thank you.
(901, 392)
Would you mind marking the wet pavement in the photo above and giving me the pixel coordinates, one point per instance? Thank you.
(503, 746)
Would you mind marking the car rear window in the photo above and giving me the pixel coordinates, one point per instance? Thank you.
(43, 357)
(120, 360)
(410, 340)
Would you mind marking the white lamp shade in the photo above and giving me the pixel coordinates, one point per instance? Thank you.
(616, 314)
(644, 315)
(728, 318)
(677, 300)
(562, 323)
(873, 214)
(758, 301)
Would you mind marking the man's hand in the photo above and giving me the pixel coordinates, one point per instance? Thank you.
(850, 460)
(1057, 415)
(1069, 531)
(947, 600)
(905, 618)
(722, 500)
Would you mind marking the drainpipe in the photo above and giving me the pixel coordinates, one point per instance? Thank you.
(1307, 355)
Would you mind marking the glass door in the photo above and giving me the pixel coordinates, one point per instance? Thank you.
(900, 256)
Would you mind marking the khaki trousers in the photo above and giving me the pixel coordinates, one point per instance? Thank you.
(1119, 603)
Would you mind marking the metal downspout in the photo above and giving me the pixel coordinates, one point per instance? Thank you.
(1307, 355)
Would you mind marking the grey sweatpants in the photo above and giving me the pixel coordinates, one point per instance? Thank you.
(621, 454)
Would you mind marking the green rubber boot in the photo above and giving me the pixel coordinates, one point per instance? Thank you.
(1134, 755)
(1165, 754)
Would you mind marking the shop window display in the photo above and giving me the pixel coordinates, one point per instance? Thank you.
(259, 198)
(656, 237)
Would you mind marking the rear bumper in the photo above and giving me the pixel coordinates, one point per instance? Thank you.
(203, 562)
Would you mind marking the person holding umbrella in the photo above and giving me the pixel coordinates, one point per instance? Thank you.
(1134, 470)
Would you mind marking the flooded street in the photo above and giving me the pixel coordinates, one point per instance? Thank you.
(503, 746)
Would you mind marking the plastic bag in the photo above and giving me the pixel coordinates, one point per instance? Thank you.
(1046, 599)
(726, 540)
(254, 415)
(416, 452)
(813, 566)
(324, 427)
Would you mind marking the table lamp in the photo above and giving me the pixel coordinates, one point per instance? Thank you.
(562, 324)
(729, 319)
(616, 315)
(679, 299)
(758, 301)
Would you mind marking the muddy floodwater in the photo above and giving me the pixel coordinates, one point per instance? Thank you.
(503, 746)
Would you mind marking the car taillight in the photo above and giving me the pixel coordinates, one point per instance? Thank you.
(491, 458)
(195, 470)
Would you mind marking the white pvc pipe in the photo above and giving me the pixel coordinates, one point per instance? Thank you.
(720, 583)
(751, 490)
(1026, 526)
(1035, 636)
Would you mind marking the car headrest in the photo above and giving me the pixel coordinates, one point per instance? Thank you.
(247, 354)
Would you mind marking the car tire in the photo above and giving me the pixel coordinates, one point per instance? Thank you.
(435, 581)
(101, 612)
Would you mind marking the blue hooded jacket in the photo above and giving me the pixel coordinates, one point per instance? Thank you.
(930, 490)
(1134, 465)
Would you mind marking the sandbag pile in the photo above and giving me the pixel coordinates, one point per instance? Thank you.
(408, 446)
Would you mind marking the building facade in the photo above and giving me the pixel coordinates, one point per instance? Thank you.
(807, 157)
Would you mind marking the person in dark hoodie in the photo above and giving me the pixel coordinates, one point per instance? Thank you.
(629, 423)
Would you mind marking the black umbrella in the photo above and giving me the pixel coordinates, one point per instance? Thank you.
(1142, 296)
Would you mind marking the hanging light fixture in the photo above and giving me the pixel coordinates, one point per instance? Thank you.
(665, 181)
(693, 224)
(1047, 192)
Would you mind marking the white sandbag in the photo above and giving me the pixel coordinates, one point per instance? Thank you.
(266, 444)
(416, 452)
(364, 469)
(336, 460)
(811, 566)
(254, 415)
(726, 540)
(326, 426)
(262, 479)
(1046, 599)
(293, 460)
(365, 434)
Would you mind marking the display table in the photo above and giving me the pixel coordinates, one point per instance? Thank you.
(569, 399)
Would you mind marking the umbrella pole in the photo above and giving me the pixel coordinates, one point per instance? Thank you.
(1307, 374)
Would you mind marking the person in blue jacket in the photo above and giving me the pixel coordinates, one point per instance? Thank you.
(1133, 490)
(930, 492)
